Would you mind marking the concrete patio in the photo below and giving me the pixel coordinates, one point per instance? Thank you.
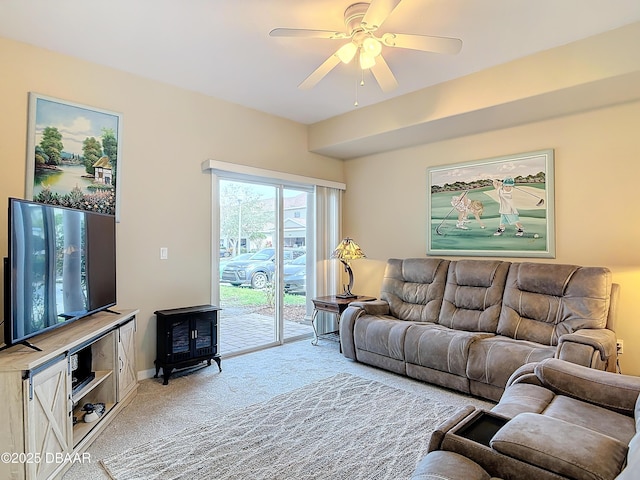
(249, 331)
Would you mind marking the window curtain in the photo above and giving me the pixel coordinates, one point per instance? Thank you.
(328, 222)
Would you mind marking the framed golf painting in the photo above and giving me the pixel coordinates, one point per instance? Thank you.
(73, 155)
(494, 207)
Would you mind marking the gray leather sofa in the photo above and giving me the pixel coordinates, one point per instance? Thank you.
(469, 324)
(559, 421)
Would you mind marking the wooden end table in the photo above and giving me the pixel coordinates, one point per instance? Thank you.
(332, 304)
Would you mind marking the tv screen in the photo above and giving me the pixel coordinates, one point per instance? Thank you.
(61, 267)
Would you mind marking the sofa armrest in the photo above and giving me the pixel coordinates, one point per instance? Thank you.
(595, 348)
(608, 390)
(374, 307)
(435, 441)
(347, 322)
(525, 374)
(441, 465)
(602, 340)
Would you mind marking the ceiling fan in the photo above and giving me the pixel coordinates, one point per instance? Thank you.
(363, 20)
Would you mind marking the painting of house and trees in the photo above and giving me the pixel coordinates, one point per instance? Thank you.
(73, 155)
(495, 207)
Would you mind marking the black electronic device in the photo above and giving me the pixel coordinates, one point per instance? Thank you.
(81, 372)
(61, 267)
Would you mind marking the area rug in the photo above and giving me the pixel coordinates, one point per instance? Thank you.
(342, 427)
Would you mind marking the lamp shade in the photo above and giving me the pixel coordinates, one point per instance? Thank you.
(366, 60)
(346, 52)
(348, 250)
(372, 46)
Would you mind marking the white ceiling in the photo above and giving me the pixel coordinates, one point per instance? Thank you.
(222, 47)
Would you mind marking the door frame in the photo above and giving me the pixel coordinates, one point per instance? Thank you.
(278, 190)
(220, 170)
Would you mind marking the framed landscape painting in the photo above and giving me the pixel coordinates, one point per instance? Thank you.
(73, 155)
(494, 207)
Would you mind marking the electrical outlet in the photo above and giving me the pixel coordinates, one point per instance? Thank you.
(620, 346)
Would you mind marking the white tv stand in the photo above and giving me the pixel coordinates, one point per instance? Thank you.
(38, 435)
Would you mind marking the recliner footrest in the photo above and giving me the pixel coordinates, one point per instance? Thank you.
(555, 445)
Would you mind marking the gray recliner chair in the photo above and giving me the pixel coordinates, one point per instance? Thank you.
(558, 421)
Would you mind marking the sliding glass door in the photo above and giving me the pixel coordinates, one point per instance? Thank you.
(263, 266)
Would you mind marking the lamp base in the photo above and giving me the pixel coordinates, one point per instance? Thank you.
(347, 288)
(346, 295)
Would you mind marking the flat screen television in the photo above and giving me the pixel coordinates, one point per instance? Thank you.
(61, 267)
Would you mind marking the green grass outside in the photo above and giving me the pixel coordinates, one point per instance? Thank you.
(250, 297)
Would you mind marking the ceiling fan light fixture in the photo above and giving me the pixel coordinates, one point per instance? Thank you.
(362, 20)
(372, 46)
(346, 52)
(366, 60)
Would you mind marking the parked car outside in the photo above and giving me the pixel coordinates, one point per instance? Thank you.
(295, 276)
(224, 262)
(256, 271)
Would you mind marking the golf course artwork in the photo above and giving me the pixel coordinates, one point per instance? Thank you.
(73, 155)
(494, 207)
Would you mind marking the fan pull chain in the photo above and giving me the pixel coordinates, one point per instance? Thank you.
(355, 104)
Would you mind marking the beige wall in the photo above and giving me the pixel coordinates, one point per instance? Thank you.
(597, 168)
(169, 132)
(166, 197)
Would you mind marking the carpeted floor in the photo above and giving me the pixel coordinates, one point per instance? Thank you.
(341, 428)
(202, 397)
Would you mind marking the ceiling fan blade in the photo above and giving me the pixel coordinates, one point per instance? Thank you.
(319, 73)
(383, 75)
(377, 13)
(425, 43)
(304, 33)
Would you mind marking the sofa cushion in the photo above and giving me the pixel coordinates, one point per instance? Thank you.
(542, 441)
(546, 279)
(473, 295)
(414, 288)
(492, 360)
(592, 417)
(381, 335)
(440, 348)
(545, 301)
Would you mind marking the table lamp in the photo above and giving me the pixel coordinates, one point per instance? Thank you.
(346, 251)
